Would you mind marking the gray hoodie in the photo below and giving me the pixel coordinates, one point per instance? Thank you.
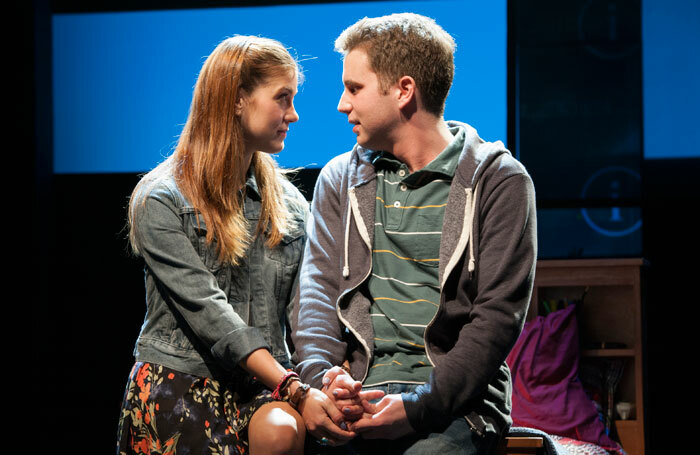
(487, 266)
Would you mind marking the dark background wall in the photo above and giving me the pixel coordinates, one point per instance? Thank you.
(88, 305)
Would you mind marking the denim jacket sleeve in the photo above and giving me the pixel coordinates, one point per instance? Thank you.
(189, 286)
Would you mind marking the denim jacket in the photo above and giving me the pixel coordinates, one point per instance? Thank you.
(203, 317)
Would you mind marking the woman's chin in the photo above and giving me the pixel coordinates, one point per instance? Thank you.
(273, 148)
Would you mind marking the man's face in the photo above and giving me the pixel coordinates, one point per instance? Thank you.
(373, 113)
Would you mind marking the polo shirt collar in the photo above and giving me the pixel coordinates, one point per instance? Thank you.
(444, 164)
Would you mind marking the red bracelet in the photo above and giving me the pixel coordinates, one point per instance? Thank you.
(283, 382)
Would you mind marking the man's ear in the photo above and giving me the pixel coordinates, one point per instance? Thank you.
(407, 91)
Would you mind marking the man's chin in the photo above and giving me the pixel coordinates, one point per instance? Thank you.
(365, 142)
(371, 146)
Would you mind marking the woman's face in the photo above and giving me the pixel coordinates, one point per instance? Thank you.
(266, 113)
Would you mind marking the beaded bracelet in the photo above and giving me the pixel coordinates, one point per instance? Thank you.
(299, 395)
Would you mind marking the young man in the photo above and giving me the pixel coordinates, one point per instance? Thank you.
(420, 261)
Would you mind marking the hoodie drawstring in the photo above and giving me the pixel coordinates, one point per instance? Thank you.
(354, 208)
(469, 221)
(466, 235)
(346, 267)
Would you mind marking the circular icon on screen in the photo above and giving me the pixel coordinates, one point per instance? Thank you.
(604, 28)
(612, 183)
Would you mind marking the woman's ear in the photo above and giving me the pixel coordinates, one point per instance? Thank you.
(240, 102)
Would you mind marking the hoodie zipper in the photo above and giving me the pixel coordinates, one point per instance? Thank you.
(363, 233)
(474, 428)
(466, 225)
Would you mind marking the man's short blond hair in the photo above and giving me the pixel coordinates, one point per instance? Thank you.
(406, 44)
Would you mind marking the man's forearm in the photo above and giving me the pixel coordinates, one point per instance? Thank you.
(318, 333)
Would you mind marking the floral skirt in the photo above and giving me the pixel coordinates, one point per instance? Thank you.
(168, 412)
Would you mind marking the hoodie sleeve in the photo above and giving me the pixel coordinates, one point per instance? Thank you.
(490, 306)
(317, 333)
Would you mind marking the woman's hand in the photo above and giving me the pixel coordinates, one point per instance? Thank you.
(322, 418)
(347, 394)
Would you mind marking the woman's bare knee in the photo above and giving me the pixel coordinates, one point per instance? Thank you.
(276, 428)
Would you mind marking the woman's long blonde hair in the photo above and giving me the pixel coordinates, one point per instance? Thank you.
(208, 162)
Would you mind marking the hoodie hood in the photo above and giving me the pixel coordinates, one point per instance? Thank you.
(476, 156)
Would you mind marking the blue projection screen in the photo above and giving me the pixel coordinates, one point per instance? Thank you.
(122, 82)
(671, 64)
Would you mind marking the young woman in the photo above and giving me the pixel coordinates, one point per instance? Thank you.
(221, 232)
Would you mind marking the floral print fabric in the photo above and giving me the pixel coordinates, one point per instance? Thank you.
(167, 412)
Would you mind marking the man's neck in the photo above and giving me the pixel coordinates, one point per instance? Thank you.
(420, 141)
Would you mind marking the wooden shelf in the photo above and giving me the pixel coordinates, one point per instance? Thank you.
(607, 353)
(519, 445)
(610, 312)
(631, 434)
(626, 423)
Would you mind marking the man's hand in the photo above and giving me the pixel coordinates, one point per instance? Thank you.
(347, 393)
(385, 420)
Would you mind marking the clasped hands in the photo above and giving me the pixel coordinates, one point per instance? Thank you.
(385, 419)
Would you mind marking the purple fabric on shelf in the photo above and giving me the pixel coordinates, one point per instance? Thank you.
(547, 393)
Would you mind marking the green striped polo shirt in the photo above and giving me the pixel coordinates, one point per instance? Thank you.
(403, 285)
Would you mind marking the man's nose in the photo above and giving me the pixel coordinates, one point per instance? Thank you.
(344, 105)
